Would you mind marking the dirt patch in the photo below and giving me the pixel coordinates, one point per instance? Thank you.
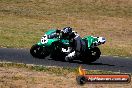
(24, 78)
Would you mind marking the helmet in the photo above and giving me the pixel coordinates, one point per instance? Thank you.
(67, 30)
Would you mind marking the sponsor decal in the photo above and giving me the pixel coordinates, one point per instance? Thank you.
(83, 78)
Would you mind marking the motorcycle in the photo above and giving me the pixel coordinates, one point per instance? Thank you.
(52, 44)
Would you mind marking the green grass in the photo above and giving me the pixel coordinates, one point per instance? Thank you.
(23, 22)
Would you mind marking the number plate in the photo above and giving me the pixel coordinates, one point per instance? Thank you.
(44, 39)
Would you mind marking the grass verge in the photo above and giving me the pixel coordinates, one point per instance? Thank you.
(52, 69)
(15, 75)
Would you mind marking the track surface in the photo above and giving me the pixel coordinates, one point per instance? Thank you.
(108, 63)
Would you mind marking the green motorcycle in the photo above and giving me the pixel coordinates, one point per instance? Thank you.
(52, 44)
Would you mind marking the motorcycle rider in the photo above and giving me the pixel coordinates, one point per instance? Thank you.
(75, 43)
(64, 33)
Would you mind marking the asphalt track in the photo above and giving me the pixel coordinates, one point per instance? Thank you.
(107, 63)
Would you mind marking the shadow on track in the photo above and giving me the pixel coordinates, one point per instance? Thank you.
(80, 62)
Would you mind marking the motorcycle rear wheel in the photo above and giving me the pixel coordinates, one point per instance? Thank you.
(93, 55)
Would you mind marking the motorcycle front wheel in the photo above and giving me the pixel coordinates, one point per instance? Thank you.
(38, 51)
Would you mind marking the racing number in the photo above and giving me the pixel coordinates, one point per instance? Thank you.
(44, 39)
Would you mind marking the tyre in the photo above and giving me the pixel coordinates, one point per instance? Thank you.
(81, 80)
(38, 51)
(93, 55)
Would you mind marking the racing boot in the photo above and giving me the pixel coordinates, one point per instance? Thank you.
(70, 57)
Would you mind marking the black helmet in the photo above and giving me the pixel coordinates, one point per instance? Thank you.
(67, 30)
